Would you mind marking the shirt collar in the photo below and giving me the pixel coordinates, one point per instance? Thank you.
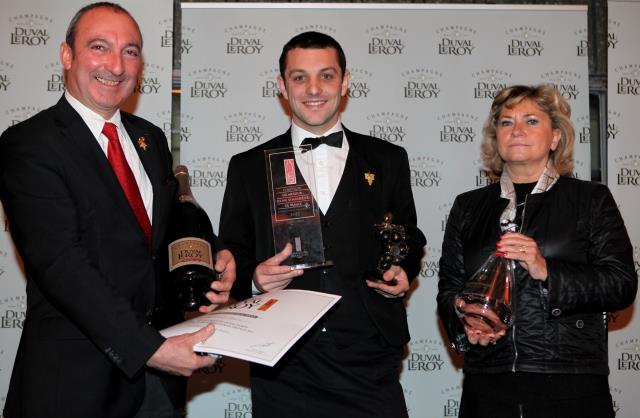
(94, 121)
(298, 134)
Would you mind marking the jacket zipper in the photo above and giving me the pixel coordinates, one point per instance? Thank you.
(514, 295)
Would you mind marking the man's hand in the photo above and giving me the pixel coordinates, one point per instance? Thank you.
(396, 283)
(270, 275)
(176, 355)
(226, 267)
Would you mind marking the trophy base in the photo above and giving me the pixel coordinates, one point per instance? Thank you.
(376, 276)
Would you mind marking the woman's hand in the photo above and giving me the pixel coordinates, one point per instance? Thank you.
(525, 250)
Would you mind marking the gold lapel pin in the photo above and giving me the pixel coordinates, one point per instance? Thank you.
(142, 143)
(369, 177)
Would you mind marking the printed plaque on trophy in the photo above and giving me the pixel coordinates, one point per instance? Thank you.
(295, 217)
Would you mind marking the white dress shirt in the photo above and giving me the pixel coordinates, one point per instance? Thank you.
(95, 123)
(327, 163)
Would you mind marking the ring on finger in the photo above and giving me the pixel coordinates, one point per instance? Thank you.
(522, 249)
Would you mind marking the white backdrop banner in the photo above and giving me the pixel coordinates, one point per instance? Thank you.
(624, 180)
(423, 77)
(31, 80)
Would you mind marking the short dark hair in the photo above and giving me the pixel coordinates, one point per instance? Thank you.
(312, 40)
(70, 37)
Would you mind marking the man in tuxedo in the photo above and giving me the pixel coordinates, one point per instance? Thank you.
(88, 191)
(347, 365)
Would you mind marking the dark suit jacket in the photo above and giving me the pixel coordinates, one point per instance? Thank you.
(91, 278)
(245, 228)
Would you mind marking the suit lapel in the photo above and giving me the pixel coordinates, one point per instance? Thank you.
(85, 149)
(145, 145)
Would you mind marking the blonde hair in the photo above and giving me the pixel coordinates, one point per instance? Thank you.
(551, 102)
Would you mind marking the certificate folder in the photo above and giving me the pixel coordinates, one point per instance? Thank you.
(260, 329)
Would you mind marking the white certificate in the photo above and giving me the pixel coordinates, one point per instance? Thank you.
(260, 329)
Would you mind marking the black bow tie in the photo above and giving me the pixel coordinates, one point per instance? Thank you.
(332, 140)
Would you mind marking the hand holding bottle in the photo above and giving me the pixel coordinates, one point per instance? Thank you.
(225, 268)
(525, 250)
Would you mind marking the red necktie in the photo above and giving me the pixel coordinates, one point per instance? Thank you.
(125, 178)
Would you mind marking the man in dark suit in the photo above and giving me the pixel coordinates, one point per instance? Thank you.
(348, 365)
(88, 208)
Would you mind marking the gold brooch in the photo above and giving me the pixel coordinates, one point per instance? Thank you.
(369, 177)
(142, 143)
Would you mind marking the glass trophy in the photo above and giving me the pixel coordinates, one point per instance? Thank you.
(394, 248)
(295, 217)
(486, 300)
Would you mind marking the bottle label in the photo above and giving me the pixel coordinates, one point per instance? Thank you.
(190, 250)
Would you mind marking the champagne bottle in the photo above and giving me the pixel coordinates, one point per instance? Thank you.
(191, 263)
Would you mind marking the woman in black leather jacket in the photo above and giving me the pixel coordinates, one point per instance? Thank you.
(574, 263)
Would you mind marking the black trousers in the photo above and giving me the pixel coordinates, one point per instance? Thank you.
(535, 395)
(321, 379)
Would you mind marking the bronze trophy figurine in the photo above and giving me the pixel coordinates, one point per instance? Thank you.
(394, 248)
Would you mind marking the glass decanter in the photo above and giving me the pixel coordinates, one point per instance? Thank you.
(486, 300)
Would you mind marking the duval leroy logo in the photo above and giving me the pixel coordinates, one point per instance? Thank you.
(237, 403)
(315, 27)
(6, 70)
(166, 38)
(359, 83)
(208, 83)
(244, 127)
(565, 81)
(583, 129)
(29, 29)
(628, 354)
(628, 170)
(12, 309)
(55, 79)
(208, 172)
(578, 169)
(582, 43)
(149, 82)
(450, 400)
(185, 125)
(425, 172)
(613, 119)
(421, 83)
(456, 40)
(525, 41)
(244, 39)
(268, 84)
(483, 177)
(628, 79)
(388, 126)
(488, 82)
(612, 35)
(386, 40)
(616, 395)
(430, 266)
(19, 113)
(426, 356)
(457, 127)
(443, 211)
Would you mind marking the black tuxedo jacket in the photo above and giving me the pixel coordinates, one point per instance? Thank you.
(91, 278)
(348, 232)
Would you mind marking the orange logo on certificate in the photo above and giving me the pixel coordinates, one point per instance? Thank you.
(268, 304)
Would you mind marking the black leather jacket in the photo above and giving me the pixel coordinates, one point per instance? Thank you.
(560, 324)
